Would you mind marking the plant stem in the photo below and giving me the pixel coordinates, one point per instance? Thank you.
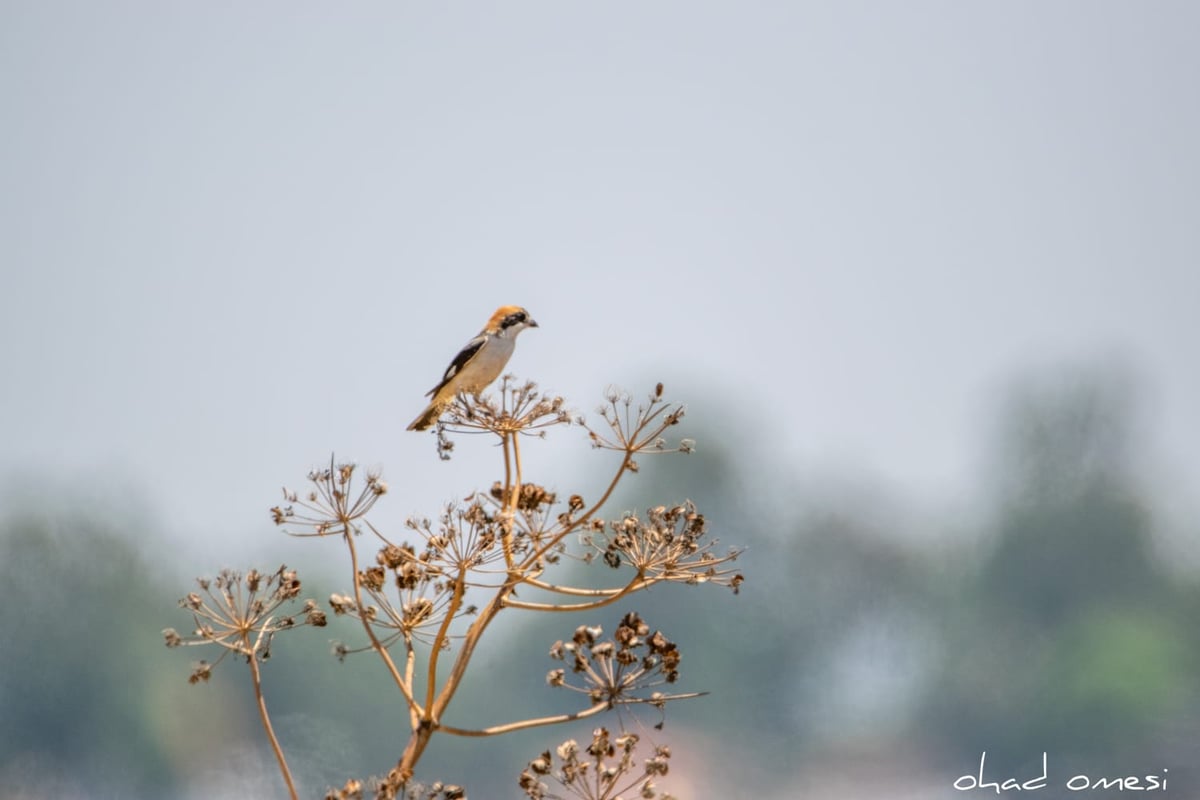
(637, 584)
(266, 721)
(375, 643)
(496, 730)
(441, 640)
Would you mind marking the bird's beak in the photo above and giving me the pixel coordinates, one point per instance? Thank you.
(531, 322)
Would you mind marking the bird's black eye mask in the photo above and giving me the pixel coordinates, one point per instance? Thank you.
(513, 319)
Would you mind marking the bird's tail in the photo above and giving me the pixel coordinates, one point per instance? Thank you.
(427, 418)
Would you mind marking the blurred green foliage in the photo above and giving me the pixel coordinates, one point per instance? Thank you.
(1069, 630)
(80, 656)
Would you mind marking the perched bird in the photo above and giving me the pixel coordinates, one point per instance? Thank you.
(477, 364)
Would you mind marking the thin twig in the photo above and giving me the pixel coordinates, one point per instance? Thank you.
(637, 584)
(521, 725)
(266, 722)
(405, 687)
(440, 641)
(534, 557)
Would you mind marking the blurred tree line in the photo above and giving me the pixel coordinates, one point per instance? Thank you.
(1051, 622)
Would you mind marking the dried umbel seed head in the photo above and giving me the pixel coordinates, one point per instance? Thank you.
(534, 497)
(201, 672)
(600, 746)
(631, 628)
(606, 769)
(351, 790)
(585, 634)
(658, 764)
(637, 430)
(669, 544)
(313, 615)
(418, 611)
(333, 504)
(394, 557)
(542, 764)
(372, 578)
(341, 604)
(531, 786)
(519, 408)
(622, 670)
(241, 614)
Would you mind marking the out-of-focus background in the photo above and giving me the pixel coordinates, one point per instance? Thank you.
(924, 273)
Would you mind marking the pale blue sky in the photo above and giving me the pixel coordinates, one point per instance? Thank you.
(234, 236)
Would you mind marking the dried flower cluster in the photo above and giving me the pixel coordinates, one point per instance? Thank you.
(518, 409)
(637, 428)
(604, 770)
(422, 582)
(668, 545)
(332, 505)
(353, 790)
(239, 613)
(618, 671)
(410, 600)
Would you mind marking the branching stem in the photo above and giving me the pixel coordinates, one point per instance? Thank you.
(637, 584)
(534, 557)
(404, 686)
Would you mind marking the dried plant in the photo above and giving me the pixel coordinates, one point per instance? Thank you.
(410, 598)
(239, 614)
(604, 770)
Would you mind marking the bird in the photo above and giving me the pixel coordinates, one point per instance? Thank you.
(478, 364)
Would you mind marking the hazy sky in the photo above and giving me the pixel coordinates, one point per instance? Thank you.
(237, 236)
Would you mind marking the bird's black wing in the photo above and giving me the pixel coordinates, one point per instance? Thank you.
(466, 354)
